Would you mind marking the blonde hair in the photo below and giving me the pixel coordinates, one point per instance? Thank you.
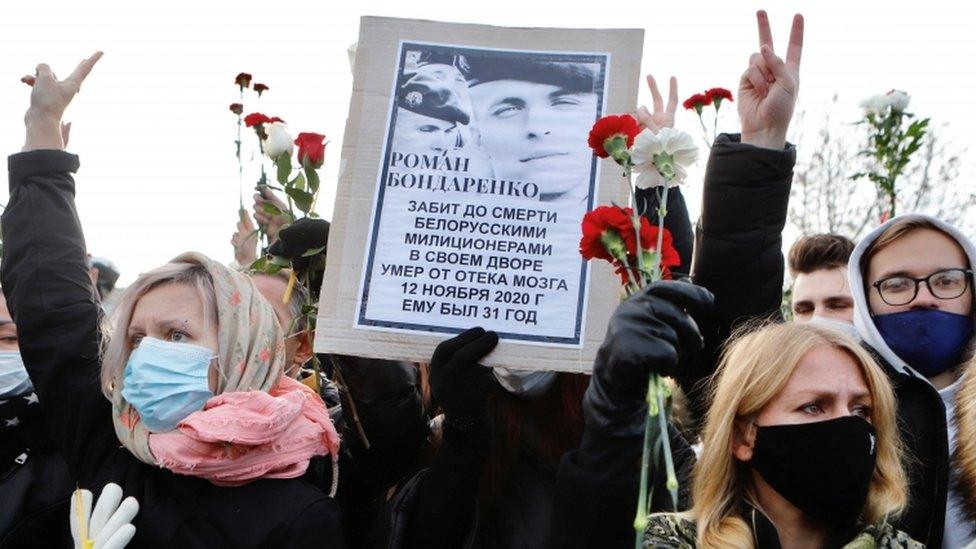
(116, 352)
(754, 369)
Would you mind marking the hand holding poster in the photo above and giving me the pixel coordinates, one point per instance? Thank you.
(477, 188)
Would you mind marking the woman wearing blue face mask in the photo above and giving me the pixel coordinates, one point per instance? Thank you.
(183, 402)
(912, 282)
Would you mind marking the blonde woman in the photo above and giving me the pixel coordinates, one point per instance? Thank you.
(193, 416)
(801, 449)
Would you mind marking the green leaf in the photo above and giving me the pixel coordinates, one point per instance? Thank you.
(313, 251)
(283, 163)
(313, 179)
(280, 261)
(271, 209)
(302, 199)
(298, 182)
(259, 264)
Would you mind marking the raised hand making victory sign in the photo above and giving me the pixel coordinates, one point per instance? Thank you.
(769, 87)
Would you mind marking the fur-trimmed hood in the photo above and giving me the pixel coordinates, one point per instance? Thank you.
(964, 458)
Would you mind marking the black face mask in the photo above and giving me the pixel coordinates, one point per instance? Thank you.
(822, 468)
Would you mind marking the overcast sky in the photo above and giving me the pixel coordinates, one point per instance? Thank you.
(158, 174)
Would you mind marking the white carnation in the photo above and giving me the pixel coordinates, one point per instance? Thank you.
(279, 140)
(898, 100)
(676, 143)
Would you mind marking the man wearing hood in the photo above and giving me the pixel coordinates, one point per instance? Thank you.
(912, 283)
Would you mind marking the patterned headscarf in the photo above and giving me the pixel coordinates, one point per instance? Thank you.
(250, 356)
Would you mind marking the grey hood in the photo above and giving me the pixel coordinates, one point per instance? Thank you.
(862, 316)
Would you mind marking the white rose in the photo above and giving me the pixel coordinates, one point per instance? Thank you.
(279, 140)
(676, 143)
(898, 100)
(876, 104)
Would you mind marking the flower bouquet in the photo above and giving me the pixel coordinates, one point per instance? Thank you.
(640, 253)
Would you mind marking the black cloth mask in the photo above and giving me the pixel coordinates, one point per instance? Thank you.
(823, 468)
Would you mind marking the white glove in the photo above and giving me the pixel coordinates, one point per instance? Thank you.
(109, 525)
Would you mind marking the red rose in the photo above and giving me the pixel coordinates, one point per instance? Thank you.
(696, 102)
(256, 119)
(260, 88)
(236, 108)
(243, 80)
(609, 127)
(311, 149)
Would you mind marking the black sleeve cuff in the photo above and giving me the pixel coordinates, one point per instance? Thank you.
(30, 163)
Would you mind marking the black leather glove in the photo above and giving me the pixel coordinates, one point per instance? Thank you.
(297, 239)
(653, 331)
(461, 386)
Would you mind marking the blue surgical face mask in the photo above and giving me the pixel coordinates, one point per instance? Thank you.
(166, 381)
(13, 376)
(928, 340)
(524, 383)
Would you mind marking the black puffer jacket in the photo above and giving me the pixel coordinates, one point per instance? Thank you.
(739, 258)
(52, 301)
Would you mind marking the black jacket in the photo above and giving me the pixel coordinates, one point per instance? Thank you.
(739, 258)
(924, 433)
(50, 296)
(34, 482)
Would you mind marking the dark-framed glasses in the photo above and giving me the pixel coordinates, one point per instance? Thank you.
(944, 284)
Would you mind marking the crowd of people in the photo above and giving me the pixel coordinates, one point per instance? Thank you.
(853, 424)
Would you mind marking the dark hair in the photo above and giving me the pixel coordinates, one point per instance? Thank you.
(819, 251)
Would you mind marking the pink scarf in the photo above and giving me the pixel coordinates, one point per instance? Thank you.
(242, 436)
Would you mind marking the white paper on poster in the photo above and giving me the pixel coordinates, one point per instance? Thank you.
(486, 174)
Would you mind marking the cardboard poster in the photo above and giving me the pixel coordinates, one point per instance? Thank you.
(466, 173)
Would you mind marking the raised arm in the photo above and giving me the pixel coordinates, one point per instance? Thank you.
(738, 253)
(45, 278)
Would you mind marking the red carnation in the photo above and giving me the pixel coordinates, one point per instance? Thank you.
(236, 108)
(697, 101)
(602, 223)
(311, 149)
(260, 88)
(256, 119)
(717, 95)
(623, 127)
(669, 257)
(243, 80)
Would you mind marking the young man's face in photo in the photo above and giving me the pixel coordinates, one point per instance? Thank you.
(824, 293)
(423, 134)
(536, 133)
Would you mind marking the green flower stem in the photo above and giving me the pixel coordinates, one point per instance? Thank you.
(643, 503)
(657, 392)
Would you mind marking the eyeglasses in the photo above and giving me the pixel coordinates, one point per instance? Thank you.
(945, 284)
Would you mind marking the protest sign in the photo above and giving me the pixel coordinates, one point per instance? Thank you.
(465, 175)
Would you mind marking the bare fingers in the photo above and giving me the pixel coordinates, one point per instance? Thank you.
(673, 96)
(765, 35)
(83, 68)
(795, 50)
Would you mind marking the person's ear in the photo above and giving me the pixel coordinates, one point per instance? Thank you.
(304, 352)
(743, 439)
